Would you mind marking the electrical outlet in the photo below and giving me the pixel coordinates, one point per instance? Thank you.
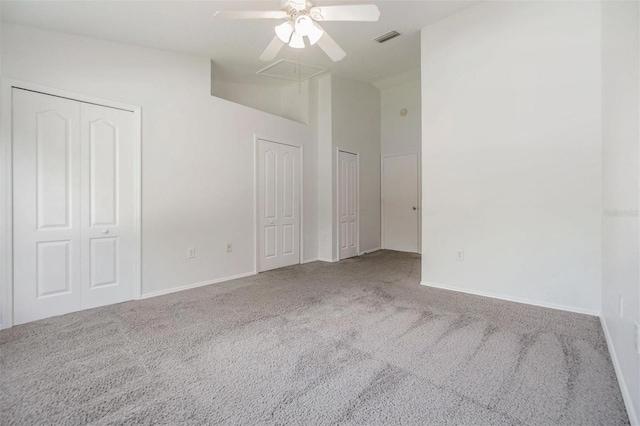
(460, 255)
(229, 247)
(636, 336)
(191, 253)
(621, 306)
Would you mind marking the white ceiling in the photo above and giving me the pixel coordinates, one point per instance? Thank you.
(235, 46)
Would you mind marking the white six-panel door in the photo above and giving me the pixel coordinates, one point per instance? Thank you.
(107, 205)
(73, 204)
(400, 202)
(348, 204)
(278, 205)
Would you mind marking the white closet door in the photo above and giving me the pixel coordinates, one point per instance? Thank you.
(348, 204)
(108, 238)
(400, 194)
(46, 211)
(73, 200)
(289, 205)
(278, 205)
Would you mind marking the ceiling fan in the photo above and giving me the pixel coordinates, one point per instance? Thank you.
(301, 20)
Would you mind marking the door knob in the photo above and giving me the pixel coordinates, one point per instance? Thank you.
(415, 208)
(105, 231)
(270, 222)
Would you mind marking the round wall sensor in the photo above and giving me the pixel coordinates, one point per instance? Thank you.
(403, 112)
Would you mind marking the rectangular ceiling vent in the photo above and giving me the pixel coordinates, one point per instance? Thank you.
(387, 36)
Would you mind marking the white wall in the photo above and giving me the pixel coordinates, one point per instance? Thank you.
(289, 100)
(620, 231)
(198, 150)
(326, 185)
(401, 135)
(355, 112)
(511, 152)
(349, 119)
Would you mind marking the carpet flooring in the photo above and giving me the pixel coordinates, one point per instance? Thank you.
(354, 342)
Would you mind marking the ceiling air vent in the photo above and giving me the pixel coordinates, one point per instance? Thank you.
(387, 36)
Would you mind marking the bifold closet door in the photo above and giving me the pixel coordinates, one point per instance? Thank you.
(46, 209)
(278, 205)
(73, 206)
(107, 195)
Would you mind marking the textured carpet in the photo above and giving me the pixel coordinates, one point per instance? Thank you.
(354, 342)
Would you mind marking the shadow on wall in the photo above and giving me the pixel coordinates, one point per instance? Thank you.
(277, 96)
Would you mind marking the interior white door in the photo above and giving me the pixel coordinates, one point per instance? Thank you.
(400, 202)
(278, 205)
(73, 201)
(107, 198)
(46, 214)
(348, 204)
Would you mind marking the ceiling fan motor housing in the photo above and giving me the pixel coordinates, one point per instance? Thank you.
(295, 4)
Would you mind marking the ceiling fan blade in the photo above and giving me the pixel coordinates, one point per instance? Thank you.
(251, 14)
(357, 12)
(331, 48)
(272, 50)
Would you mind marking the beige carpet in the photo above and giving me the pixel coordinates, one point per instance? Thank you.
(355, 342)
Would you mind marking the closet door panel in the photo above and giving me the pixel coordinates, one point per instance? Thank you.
(107, 205)
(46, 209)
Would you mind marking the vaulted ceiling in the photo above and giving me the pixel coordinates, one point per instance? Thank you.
(235, 46)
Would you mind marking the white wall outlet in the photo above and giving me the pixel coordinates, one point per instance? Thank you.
(229, 247)
(621, 306)
(191, 253)
(460, 255)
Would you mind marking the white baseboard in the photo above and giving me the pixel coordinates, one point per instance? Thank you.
(326, 259)
(315, 259)
(515, 299)
(196, 285)
(370, 251)
(626, 396)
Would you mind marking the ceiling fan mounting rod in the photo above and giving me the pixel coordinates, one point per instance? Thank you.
(297, 5)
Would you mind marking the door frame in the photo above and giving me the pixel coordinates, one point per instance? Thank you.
(256, 199)
(419, 206)
(6, 185)
(337, 192)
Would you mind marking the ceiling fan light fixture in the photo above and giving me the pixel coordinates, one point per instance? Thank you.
(284, 31)
(304, 24)
(300, 21)
(297, 41)
(315, 34)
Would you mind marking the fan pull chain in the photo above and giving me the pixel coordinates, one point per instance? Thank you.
(299, 78)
